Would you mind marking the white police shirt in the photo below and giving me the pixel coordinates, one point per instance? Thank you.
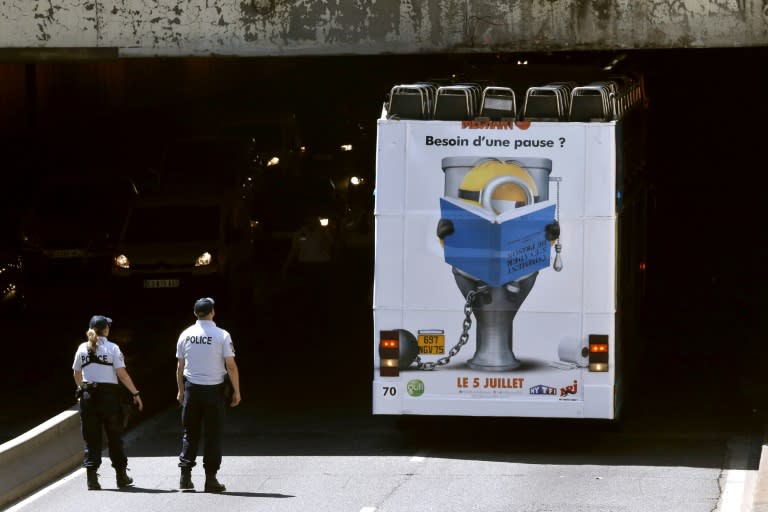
(203, 346)
(100, 367)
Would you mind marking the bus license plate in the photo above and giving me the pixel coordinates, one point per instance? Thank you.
(161, 283)
(431, 342)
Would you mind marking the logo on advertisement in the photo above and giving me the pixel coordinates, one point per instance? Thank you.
(415, 387)
(569, 390)
(542, 390)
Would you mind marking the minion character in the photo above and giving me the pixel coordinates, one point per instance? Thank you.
(499, 187)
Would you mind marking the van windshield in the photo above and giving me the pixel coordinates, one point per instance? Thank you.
(173, 224)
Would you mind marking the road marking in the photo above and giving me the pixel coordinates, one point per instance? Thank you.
(45, 490)
(760, 496)
(733, 492)
(739, 483)
(368, 509)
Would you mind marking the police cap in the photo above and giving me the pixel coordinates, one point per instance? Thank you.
(204, 306)
(99, 322)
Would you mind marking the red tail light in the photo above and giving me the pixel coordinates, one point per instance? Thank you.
(389, 353)
(598, 352)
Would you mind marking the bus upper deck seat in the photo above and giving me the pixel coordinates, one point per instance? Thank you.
(411, 101)
(456, 102)
(546, 103)
(498, 103)
(594, 102)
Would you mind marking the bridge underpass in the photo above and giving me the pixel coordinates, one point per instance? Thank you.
(702, 103)
(702, 106)
(299, 28)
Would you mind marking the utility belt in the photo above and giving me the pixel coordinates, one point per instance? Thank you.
(92, 386)
(225, 386)
(203, 386)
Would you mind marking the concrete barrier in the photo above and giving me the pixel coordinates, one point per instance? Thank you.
(760, 501)
(40, 455)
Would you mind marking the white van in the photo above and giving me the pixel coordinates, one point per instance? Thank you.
(193, 242)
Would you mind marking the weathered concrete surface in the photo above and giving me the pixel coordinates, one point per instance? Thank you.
(313, 27)
(39, 456)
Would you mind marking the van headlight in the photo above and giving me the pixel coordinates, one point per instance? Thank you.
(203, 260)
(121, 261)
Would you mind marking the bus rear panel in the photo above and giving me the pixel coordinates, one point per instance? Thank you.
(495, 282)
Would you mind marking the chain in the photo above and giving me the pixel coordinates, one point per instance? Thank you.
(558, 263)
(465, 326)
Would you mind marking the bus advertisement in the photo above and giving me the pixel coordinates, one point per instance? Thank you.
(496, 264)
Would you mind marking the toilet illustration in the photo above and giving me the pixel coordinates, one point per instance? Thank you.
(497, 185)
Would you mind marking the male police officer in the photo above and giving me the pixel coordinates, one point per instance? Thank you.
(205, 357)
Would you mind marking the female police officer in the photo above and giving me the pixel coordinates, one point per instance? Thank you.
(98, 365)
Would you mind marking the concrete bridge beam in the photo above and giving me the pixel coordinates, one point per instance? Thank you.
(335, 27)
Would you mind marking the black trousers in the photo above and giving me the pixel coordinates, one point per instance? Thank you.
(100, 411)
(202, 417)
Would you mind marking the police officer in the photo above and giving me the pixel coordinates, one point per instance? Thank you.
(205, 357)
(98, 366)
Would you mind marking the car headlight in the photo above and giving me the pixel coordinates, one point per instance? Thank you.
(203, 260)
(121, 261)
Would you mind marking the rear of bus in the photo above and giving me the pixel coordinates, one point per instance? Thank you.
(495, 282)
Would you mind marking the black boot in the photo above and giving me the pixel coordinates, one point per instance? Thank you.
(123, 480)
(185, 482)
(93, 479)
(213, 485)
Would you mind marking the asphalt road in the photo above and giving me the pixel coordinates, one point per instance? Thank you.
(304, 438)
(293, 453)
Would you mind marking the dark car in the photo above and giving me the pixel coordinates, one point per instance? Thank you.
(71, 224)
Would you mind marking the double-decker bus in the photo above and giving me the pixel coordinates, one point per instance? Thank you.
(510, 248)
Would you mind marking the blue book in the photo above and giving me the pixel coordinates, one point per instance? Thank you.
(497, 249)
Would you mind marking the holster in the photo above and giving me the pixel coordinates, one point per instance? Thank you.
(85, 386)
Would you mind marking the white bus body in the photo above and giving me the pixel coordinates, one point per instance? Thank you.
(543, 344)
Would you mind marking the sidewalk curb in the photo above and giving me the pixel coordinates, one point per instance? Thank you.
(44, 453)
(760, 500)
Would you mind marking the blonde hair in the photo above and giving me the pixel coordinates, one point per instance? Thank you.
(93, 340)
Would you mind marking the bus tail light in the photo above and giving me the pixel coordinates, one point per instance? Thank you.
(389, 353)
(598, 352)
